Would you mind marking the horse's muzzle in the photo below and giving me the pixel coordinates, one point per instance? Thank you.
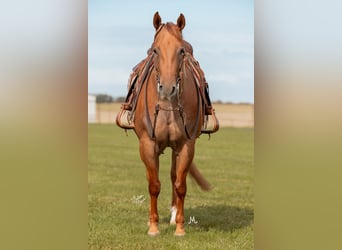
(167, 92)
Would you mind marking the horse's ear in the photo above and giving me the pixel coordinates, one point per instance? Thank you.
(181, 22)
(156, 20)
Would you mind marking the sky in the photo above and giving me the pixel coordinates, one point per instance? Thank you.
(221, 33)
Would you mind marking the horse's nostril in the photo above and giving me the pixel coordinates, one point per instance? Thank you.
(173, 90)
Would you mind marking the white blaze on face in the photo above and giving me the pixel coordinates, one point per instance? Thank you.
(173, 215)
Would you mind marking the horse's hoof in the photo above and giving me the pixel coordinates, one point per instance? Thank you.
(153, 231)
(179, 231)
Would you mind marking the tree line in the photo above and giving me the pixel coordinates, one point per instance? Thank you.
(104, 98)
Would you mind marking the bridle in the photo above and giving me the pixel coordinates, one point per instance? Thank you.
(179, 78)
(179, 71)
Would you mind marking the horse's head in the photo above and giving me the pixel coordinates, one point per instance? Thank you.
(168, 47)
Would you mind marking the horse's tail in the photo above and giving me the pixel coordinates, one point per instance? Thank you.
(200, 180)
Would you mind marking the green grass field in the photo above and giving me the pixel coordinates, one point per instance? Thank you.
(118, 197)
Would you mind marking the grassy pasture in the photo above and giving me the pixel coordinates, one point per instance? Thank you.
(118, 195)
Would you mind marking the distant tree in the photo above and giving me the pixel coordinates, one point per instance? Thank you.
(102, 98)
(120, 99)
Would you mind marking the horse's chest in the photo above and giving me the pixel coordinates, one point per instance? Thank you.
(169, 128)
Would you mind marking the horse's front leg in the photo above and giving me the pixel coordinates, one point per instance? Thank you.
(174, 194)
(183, 162)
(151, 160)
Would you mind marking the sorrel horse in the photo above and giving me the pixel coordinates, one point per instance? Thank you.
(169, 112)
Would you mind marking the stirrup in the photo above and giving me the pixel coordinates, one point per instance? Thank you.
(207, 128)
(126, 106)
(119, 120)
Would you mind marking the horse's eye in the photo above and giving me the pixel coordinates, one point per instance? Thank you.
(155, 51)
(182, 51)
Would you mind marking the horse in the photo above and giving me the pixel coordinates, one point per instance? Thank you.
(169, 112)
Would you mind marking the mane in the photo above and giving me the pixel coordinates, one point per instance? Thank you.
(172, 29)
